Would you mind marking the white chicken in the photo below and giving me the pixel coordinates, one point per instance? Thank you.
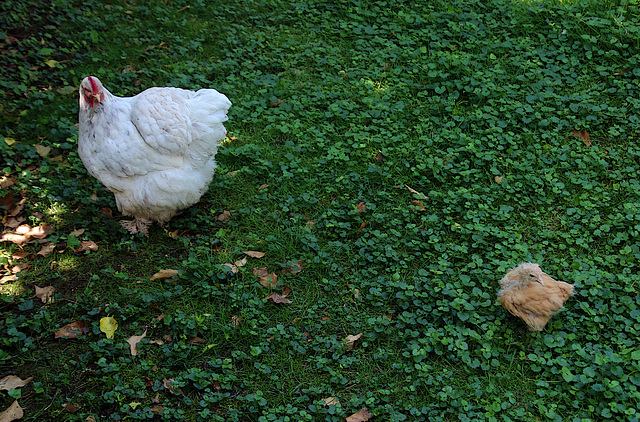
(155, 151)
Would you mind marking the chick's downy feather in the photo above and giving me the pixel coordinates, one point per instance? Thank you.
(529, 293)
(155, 151)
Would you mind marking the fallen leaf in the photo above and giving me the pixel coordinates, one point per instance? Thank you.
(168, 338)
(325, 318)
(263, 187)
(260, 272)
(356, 294)
(361, 207)
(47, 249)
(107, 211)
(254, 254)
(42, 150)
(11, 381)
(584, 135)
(163, 274)
(330, 401)
(108, 325)
(157, 409)
(51, 63)
(350, 340)
(241, 262)
(278, 298)
(77, 232)
(231, 267)
(133, 341)
(87, 245)
(71, 408)
(7, 278)
(13, 412)
(45, 294)
(269, 280)
(235, 320)
(361, 415)
(233, 173)
(19, 255)
(498, 179)
(20, 267)
(311, 224)
(379, 157)
(294, 268)
(167, 384)
(415, 192)
(9, 141)
(224, 217)
(90, 418)
(6, 182)
(286, 291)
(418, 204)
(196, 340)
(72, 330)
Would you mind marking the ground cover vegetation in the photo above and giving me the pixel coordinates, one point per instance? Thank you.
(387, 163)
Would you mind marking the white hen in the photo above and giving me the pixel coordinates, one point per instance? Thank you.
(155, 151)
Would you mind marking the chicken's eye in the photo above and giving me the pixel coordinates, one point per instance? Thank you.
(532, 276)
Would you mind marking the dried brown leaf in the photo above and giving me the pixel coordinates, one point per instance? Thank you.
(278, 298)
(418, 204)
(232, 268)
(164, 274)
(47, 249)
(498, 179)
(361, 207)
(77, 232)
(72, 330)
(415, 192)
(133, 342)
(11, 381)
(361, 415)
(45, 294)
(42, 150)
(224, 217)
(71, 408)
(12, 413)
(107, 211)
(350, 340)
(269, 280)
(87, 245)
(241, 262)
(157, 409)
(260, 272)
(294, 268)
(8, 278)
(19, 255)
(236, 320)
(254, 254)
(330, 401)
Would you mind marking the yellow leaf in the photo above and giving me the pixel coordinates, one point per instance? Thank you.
(9, 141)
(108, 325)
(51, 63)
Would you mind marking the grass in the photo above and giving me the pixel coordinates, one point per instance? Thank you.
(341, 113)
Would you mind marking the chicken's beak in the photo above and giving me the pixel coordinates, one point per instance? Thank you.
(96, 97)
(541, 282)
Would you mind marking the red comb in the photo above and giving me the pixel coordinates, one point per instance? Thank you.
(94, 85)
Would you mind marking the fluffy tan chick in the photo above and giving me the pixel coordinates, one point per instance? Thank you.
(529, 293)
